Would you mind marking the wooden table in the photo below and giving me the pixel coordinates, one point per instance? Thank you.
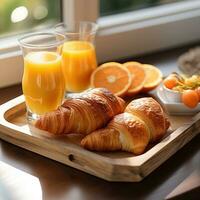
(25, 175)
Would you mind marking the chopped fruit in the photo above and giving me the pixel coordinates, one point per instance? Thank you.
(138, 77)
(112, 76)
(170, 82)
(153, 77)
(190, 98)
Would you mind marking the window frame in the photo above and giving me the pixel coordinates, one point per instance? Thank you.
(162, 24)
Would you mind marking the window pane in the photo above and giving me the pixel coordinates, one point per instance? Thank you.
(22, 15)
(109, 7)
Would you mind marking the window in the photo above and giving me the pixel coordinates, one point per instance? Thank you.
(120, 6)
(156, 26)
(126, 28)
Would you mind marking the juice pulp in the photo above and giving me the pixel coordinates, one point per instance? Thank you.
(78, 62)
(43, 82)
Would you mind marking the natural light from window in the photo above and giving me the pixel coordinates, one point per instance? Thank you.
(22, 15)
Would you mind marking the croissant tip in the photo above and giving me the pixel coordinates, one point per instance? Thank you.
(84, 143)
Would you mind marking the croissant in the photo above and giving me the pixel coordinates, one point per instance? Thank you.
(142, 122)
(82, 113)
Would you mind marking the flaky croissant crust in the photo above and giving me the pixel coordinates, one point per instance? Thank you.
(142, 122)
(152, 114)
(82, 113)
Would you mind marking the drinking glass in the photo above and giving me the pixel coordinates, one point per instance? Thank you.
(78, 54)
(43, 81)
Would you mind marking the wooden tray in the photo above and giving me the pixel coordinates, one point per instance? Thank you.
(114, 166)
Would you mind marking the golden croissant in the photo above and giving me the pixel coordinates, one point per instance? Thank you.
(142, 122)
(82, 113)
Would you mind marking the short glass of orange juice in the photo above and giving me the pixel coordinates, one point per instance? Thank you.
(78, 54)
(43, 81)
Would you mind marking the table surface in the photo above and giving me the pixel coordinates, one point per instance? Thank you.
(26, 175)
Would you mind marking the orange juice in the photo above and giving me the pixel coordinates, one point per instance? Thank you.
(43, 82)
(79, 61)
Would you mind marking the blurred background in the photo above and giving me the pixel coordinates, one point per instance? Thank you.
(22, 15)
(18, 16)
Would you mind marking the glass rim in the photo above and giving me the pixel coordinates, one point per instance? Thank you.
(94, 28)
(41, 46)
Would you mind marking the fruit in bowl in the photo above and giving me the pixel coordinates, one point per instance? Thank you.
(182, 89)
(172, 96)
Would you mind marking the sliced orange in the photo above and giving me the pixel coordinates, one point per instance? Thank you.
(113, 76)
(153, 77)
(138, 77)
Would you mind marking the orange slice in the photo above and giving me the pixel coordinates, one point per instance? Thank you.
(153, 77)
(113, 76)
(138, 77)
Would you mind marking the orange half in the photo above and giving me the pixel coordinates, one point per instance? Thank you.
(153, 77)
(138, 77)
(113, 76)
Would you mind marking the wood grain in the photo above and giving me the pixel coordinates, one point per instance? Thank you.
(118, 166)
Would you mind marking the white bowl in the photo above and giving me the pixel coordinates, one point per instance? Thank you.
(171, 95)
(175, 108)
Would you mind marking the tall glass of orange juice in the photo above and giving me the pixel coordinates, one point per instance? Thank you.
(78, 54)
(43, 81)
